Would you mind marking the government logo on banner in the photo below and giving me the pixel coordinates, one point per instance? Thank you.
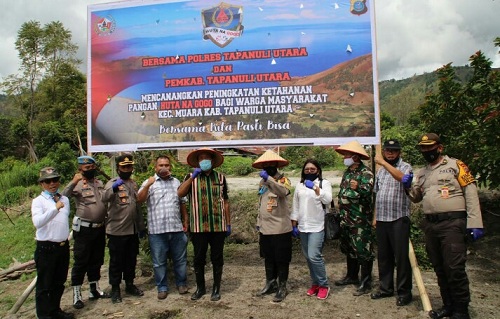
(222, 23)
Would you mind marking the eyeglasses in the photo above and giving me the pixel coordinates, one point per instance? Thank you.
(51, 180)
(310, 170)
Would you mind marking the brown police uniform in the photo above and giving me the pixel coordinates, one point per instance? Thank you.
(451, 205)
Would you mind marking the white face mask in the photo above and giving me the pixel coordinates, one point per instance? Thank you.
(348, 161)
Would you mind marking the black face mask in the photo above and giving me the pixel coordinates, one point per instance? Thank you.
(271, 171)
(311, 177)
(124, 175)
(392, 162)
(90, 174)
(431, 156)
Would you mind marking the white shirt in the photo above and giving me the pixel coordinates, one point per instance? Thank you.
(51, 224)
(308, 207)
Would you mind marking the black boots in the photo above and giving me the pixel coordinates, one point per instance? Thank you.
(283, 269)
(365, 285)
(199, 272)
(445, 311)
(216, 287)
(281, 293)
(271, 283)
(352, 273)
(115, 294)
(132, 289)
(270, 287)
(96, 292)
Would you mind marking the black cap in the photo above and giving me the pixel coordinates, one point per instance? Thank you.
(125, 159)
(392, 145)
(429, 139)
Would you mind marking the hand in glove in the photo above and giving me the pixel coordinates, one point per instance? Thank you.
(117, 184)
(295, 231)
(406, 180)
(264, 175)
(196, 172)
(476, 233)
(228, 230)
(309, 184)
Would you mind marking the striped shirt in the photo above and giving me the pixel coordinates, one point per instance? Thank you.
(391, 202)
(206, 197)
(164, 214)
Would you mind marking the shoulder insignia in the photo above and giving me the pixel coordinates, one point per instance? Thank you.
(464, 174)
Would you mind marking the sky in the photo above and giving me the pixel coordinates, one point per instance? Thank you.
(413, 36)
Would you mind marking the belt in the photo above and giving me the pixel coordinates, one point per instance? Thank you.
(435, 218)
(51, 243)
(91, 224)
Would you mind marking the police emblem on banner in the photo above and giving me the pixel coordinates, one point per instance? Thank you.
(222, 23)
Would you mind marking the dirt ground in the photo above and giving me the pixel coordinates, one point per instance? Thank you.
(243, 277)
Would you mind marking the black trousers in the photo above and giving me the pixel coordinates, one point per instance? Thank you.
(393, 241)
(200, 247)
(52, 263)
(277, 253)
(123, 251)
(446, 247)
(88, 254)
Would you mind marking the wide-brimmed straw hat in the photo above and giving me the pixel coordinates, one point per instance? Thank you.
(217, 158)
(353, 147)
(270, 158)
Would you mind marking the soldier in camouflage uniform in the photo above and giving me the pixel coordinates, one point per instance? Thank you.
(355, 206)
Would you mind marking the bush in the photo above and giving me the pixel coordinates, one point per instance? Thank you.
(237, 165)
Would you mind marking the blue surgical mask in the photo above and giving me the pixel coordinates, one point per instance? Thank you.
(49, 193)
(348, 161)
(206, 165)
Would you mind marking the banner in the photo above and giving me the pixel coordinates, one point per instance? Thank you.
(164, 74)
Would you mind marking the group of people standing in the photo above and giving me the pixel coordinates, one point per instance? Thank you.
(199, 207)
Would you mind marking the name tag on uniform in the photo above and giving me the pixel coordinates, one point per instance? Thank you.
(445, 192)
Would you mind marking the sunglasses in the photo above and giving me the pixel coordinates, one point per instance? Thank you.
(51, 180)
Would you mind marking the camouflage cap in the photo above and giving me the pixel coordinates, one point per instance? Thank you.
(48, 173)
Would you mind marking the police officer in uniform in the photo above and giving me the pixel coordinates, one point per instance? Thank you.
(450, 202)
(88, 229)
(124, 226)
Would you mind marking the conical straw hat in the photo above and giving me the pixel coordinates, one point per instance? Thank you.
(217, 158)
(353, 147)
(270, 158)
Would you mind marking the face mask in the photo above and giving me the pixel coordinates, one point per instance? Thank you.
(271, 171)
(432, 155)
(164, 173)
(124, 175)
(393, 161)
(348, 161)
(311, 177)
(49, 193)
(206, 165)
(89, 174)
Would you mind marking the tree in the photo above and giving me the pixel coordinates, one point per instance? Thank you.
(39, 90)
(467, 116)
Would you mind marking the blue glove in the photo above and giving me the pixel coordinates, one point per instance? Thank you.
(142, 234)
(264, 175)
(196, 172)
(228, 230)
(116, 184)
(407, 179)
(309, 184)
(476, 233)
(295, 231)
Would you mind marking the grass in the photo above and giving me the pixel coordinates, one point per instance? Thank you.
(18, 239)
